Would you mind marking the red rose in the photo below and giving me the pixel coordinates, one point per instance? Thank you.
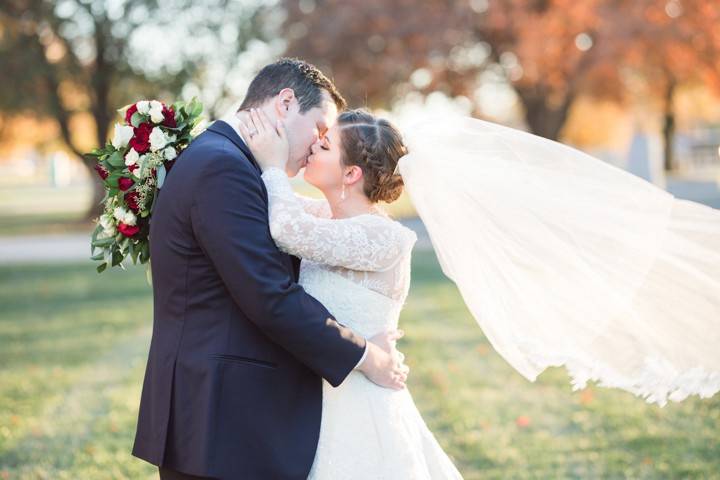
(125, 183)
(133, 167)
(129, 113)
(131, 198)
(101, 171)
(169, 115)
(128, 230)
(141, 138)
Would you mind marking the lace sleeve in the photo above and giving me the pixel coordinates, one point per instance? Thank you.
(317, 207)
(363, 243)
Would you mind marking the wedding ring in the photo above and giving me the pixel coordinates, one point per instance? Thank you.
(253, 133)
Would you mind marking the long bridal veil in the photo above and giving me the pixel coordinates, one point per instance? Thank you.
(565, 260)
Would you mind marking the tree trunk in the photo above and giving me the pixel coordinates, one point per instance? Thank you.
(100, 82)
(96, 208)
(668, 130)
(543, 118)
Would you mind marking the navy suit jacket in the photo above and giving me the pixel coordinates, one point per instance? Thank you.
(233, 383)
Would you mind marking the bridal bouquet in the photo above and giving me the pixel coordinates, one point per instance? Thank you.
(133, 166)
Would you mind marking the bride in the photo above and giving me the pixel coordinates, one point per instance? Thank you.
(356, 261)
(562, 259)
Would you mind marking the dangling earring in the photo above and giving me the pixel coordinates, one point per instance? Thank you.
(342, 194)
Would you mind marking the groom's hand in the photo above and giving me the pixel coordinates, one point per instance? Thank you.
(383, 363)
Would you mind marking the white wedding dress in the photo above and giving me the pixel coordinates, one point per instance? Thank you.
(359, 268)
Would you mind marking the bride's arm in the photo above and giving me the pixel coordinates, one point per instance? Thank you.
(317, 207)
(367, 243)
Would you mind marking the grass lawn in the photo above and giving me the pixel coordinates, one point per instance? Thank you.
(38, 209)
(72, 353)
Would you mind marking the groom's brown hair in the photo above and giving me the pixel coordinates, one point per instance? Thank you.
(305, 79)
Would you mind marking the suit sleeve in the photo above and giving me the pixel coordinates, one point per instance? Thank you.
(230, 220)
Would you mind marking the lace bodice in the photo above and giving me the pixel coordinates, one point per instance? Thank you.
(371, 249)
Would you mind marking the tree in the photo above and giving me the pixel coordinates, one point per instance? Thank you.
(552, 51)
(673, 44)
(548, 51)
(371, 48)
(65, 59)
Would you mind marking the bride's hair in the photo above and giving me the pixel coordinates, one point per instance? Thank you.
(374, 145)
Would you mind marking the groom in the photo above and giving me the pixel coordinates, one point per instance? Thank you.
(233, 385)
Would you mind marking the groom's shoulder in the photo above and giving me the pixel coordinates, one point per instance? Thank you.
(212, 151)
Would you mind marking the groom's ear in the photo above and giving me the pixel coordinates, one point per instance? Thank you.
(285, 102)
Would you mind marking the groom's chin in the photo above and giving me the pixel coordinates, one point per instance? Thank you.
(294, 169)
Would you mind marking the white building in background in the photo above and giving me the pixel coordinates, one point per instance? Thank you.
(698, 152)
(697, 155)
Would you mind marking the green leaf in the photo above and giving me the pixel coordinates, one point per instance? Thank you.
(137, 119)
(99, 256)
(104, 242)
(112, 180)
(116, 159)
(144, 252)
(196, 108)
(117, 258)
(101, 268)
(134, 252)
(98, 229)
(161, 173)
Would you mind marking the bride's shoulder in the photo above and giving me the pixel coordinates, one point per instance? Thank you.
(390, 226)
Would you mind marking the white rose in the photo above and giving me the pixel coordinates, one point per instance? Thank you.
(170, 153)
(143, 106)
(132, 157)
(158, 140)
(107, 233)
(156, 116)
(106, 221)
(122, 135)
(129, 218)
(119, 213)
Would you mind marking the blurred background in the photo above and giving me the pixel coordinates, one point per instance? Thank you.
(635, 83)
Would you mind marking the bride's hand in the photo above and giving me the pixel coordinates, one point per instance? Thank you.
(268, 143)
(383, 363)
